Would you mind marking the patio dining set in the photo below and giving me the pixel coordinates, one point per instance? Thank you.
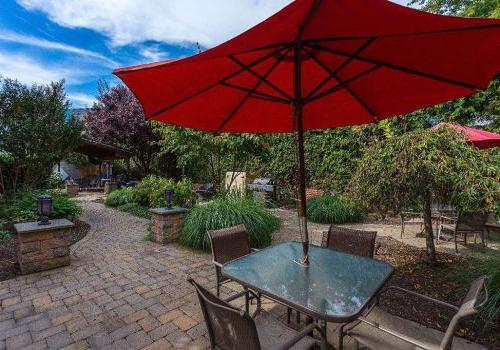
(341, 288)
(451, 225)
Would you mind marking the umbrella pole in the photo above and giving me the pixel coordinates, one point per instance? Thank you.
(298, 107)
(302, 185)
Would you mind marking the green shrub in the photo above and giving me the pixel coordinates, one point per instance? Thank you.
(136, 210)
(225, 212)
(150, 192)
(331, 210)
(25, 207)
(120, 197)
(54, 181)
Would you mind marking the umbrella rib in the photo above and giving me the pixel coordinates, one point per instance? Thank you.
(333, 74)
(251, 71)
(250, 93)
(211, 86)
(398, 67)
(257, 93)
(339, 68)
(342, 85)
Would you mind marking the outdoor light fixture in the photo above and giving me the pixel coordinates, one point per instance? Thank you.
(44, 208)
(169, 193)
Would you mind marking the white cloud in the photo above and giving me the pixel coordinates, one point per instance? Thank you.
(10, 36)
(153, 53)
(29, 71)
(81, 100)
(208, 22)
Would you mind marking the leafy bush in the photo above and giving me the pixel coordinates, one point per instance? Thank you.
(54, 181)
(120, 197)
(225, 212)
(331, 210)
(25, 207)
(150, 192)
(136, 210)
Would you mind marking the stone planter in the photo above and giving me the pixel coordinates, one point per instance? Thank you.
(166, 224)
(110, 186)
(72, 189)
(43, 247)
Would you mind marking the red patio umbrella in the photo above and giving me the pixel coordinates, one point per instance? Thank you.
(321, 64)
(480, 138)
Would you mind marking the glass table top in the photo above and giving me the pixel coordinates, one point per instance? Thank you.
(336, 286)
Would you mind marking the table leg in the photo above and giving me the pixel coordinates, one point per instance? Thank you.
(324, 342)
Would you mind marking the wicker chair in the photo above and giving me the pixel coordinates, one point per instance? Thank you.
(229, 244)
(231, 328)
(381, 330)
(355, 242)
(464, 224)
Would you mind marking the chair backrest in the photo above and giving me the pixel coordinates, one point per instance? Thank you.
(228, 327)
(468, 307)
(471, 221)
(352, 241)
(229, 243)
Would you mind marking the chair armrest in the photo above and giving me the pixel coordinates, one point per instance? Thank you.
(240, 294)
(435, 301)
(253, 250)
(302, 334)
(217, 264)
(411, 213)
(396, 334)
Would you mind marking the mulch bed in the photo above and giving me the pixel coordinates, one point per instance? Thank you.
(413, 273)
(8, 250)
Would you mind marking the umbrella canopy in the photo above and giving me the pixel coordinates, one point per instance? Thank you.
(321, 64)
(479, 138)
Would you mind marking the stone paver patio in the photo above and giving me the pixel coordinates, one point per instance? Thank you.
(120, 292)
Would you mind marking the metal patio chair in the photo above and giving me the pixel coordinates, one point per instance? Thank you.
(347, 240)
(230, 328)
(466, 223)
(381, 330)
(229, 244)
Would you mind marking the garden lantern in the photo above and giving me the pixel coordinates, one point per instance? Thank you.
(169, 193)
(44, 208)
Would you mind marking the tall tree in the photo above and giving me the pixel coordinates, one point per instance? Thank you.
(35, 133)
(117, 118)
(417, 168)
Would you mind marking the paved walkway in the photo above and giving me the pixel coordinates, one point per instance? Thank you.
(120, 292)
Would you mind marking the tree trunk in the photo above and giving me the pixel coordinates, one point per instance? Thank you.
(429, 235)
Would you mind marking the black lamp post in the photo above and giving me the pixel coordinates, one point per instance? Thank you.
(44, 208)
(169, 193)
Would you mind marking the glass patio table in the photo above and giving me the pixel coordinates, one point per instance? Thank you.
(335, 287)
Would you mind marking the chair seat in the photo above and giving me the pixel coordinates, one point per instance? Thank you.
(375, 339)
(273, 333)
(448, 227)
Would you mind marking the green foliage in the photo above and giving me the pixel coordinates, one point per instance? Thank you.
(148, 236)
(136, 210)
(24, 208)
(403, 171)
(150, 192)
(206, 156)
(225, 212)
(35, 133)
(331, 210)
(119, 197)
(54, 181)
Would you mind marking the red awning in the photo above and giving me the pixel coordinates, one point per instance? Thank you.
(479, 138)
(361, 61)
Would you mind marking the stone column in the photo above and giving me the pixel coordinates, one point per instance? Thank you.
(166, 224)
(110, 186)
(43, 247)
(72, 189)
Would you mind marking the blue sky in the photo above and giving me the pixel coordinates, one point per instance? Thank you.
(82, 41)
